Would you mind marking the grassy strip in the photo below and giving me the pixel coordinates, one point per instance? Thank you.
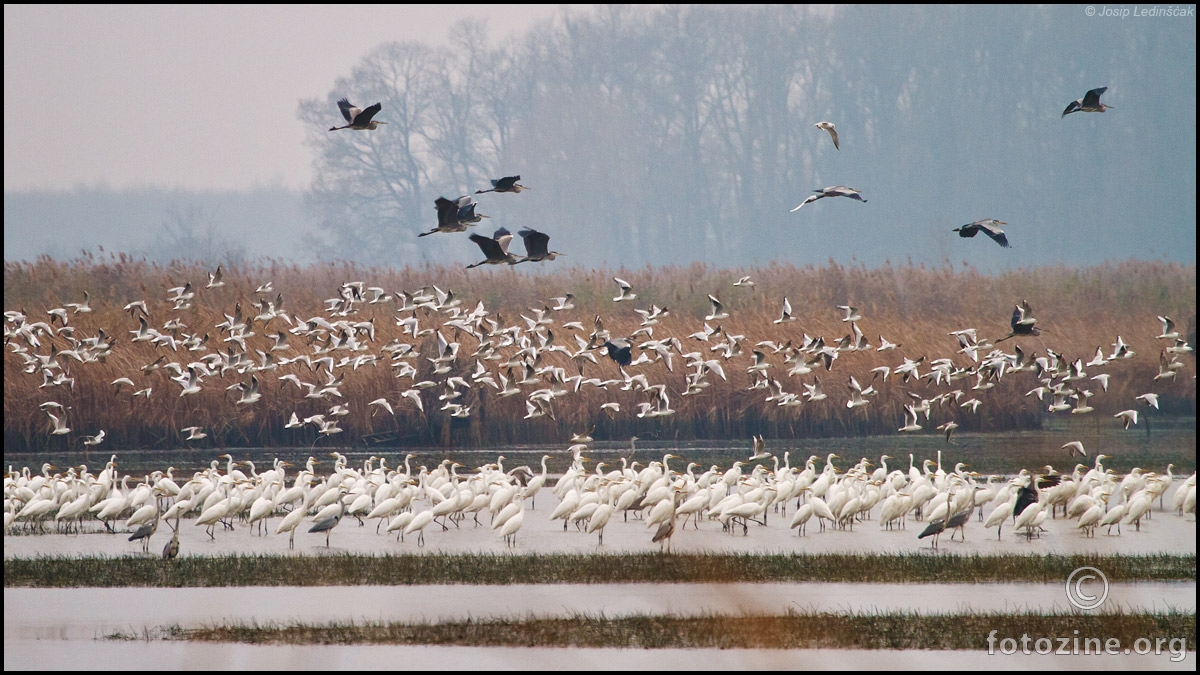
(795, 631)
(500, 569)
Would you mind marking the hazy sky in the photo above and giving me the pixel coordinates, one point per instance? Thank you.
(198, 97)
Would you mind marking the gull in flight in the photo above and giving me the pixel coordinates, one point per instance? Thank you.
(786, 315)
(214, 279)
(1076, 448)
(828, 126)
(1127, 417)
(949, 428)
(718, 310)
(1168, 331)
(626, 290)
(910, 420)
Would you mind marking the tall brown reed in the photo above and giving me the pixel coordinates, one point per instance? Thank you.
(916, 306)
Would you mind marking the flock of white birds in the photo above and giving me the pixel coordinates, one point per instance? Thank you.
(408, 503)
(510, 360)
(473, 352)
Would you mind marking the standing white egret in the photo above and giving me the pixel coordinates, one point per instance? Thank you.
(535, 484)
(512, 526)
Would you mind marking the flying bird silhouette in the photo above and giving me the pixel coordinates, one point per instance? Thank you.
(506, 184)
(987, 226)
(828, 126)
(359, 120)
(835, 191)
(1089, 103)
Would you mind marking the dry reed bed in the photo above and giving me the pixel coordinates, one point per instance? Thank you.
(349, 569)
(796, 630)
(1080, 309)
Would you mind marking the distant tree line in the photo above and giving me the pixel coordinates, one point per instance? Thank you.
(683, 133)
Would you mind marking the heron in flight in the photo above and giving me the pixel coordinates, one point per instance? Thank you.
(835, 191)
(506, 184)
(455, 215)
(828, 126)
(1089, 103)
(619, 350)
(359, 119)
(1022, 322)
(495, 249)
(988, 226)
(537, 245)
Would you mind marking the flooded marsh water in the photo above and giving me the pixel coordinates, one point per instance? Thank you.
(63, 628)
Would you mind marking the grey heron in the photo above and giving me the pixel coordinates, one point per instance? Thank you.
(1022, 322)
(495, 249)
(537, 245)
(506, 184)
(1089, 103)
(454, 215)
(358, 119)
(835, 191)
(328, 524)
(988, 226)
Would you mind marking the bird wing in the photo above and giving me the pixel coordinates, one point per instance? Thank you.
(490, 247)
(367, 113)
(843, 191)
(348, 110)
(1016, 317)
(447, 212)
(503, 237)
(989, 228)
(536, 243)
(1092, 98)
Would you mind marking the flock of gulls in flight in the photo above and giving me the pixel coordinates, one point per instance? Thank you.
(655, 493)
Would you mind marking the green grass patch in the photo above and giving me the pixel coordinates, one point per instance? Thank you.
(500, 569)
(796, 630)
